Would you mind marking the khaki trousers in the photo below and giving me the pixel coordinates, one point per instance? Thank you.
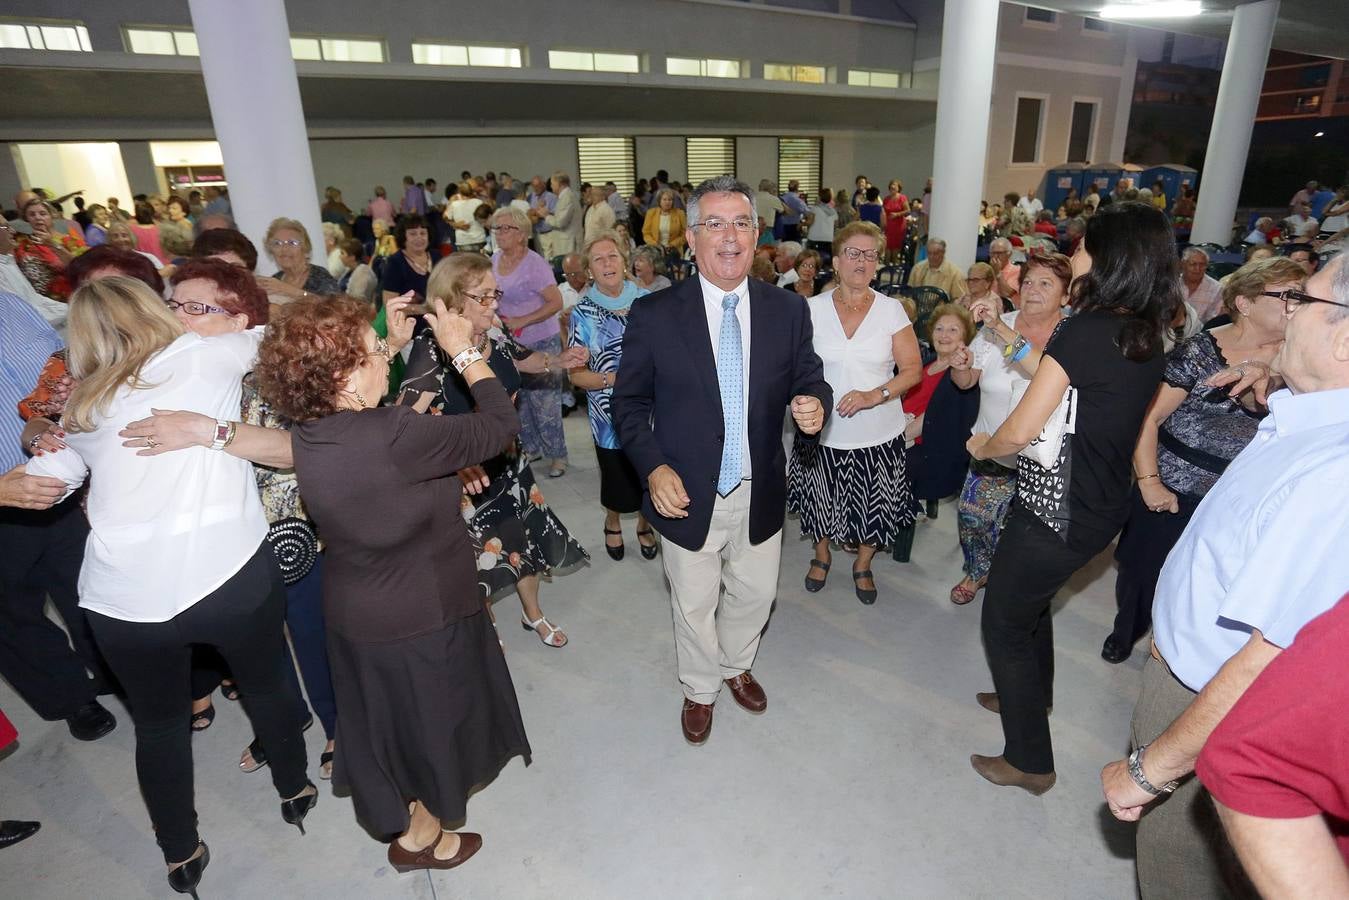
(717, 634)
(1182, 850)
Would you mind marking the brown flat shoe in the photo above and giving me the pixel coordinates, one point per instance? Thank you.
(696, 720)
(1002, 773)
(425, 858)
(747, 692)
(989, 701)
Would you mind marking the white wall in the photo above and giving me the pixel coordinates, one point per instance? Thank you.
(61, 169)
(661, 152)
(756, 158)
(881, 156)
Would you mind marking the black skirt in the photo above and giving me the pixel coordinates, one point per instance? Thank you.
(620, 486)
(426, 718)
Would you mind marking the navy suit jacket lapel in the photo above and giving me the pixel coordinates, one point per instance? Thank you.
(760, 324)
(693, 319)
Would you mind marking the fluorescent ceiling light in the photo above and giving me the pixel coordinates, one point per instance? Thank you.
(1176, 9)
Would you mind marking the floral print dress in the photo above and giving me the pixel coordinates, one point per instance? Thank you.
(514, 532)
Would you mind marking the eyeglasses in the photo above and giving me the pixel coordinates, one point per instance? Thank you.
(1294, 299)
(497, 229)
(980, 278)
(192, 308)
(486, 299)
(381, 349)
(721, 226)
(285, 242)
(855, 254)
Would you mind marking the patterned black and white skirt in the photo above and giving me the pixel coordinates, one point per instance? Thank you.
(857, 496)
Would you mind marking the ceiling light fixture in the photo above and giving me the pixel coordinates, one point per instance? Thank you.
(1176, 9)
(1319, 134)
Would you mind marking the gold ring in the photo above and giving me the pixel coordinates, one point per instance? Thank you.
(151, 442)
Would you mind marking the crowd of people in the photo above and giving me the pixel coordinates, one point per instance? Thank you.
(183, 431)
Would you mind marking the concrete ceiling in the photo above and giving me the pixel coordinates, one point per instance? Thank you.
(1314, 27)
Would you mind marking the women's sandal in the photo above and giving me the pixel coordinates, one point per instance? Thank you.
(229, 690)
(867, 597)
(616, 552)
(815, 585)
(202, 720)
(326, 765)
(554, 637)
(960, 594)
(649, 551)
(558, 470)
(259, 755)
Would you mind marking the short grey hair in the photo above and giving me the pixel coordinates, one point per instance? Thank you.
(766, 184)
(1339, 287)
(562, 178)
(790, 248)
(651, 255)
(998, 244)
(938, 241)
(517, 218)
(722, 184)
(1191, 252)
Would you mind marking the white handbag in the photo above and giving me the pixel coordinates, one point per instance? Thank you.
(1047, 448)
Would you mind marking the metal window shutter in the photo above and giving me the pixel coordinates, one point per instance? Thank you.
(608, 159)
(708, 157)
(799, 158)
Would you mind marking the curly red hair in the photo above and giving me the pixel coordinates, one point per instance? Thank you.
(237, 290)
(307, 345)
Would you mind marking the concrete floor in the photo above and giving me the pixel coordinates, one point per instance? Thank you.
(855, 783)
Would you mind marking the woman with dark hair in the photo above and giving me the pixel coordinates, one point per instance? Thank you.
(407, 269)
(175, 231)
(1102, 366)
(871, 209)
(226, 244)
(43, 255)
(145, 228)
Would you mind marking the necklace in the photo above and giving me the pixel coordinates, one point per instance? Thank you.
(418, 265)
(839, 298)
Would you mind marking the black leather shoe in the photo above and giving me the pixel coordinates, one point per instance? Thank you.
(90, 722)
(12, 831)
(1114, 651)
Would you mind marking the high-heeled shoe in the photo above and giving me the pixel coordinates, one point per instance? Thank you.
(186, 877)
(615, 553)
(295, 809)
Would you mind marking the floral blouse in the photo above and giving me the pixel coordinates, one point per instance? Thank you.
(43, 268)
(42, 399)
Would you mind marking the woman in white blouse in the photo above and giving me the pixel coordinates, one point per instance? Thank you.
(991, 483)
(852, 488)
(176, 553)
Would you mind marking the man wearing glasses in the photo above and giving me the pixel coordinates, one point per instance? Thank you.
(708, 368)
(1261, 557)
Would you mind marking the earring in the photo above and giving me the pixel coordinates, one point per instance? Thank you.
(360, 399)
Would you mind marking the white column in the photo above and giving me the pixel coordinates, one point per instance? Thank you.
(1124, 100)
(254, 97)
(964, 95)
(1229, 140)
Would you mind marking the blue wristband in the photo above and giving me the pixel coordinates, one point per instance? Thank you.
(1022, 353)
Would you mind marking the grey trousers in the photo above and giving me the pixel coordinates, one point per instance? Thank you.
(1182, 851)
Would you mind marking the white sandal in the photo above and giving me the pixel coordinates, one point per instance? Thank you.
(551, 639)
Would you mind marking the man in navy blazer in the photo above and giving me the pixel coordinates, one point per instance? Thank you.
(709, 367)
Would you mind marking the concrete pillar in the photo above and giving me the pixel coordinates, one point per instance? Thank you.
(964, 95)
(140, 169)
(254, 97)
(1229, 140)
(11, 180)
(1124, 100)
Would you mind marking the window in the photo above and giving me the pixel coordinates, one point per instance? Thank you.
(1026, 129)
(1081, 130)
(594, 61)
(162, 41)
(791, 72)
(26, 36)
(869, 78)
(337, 49)
(466, 55)
(799, 160)
(705, 68)
(1037, 16)
(708, 157)
(608, 159)
(1097, 25)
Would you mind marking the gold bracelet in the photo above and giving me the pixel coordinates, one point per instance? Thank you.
(1146, 477)
(229, 435)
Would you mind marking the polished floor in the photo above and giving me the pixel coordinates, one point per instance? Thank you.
(854, 784)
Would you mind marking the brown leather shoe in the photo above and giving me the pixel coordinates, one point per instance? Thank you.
(696, 720)
(989, 701)
(425, 858)
(1001, 772)
(747, 692)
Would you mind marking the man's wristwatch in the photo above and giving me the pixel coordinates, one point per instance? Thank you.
(885, 394)
(1136, 773)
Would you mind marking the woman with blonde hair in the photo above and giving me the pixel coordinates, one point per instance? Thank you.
(517, 538)
(178, 553)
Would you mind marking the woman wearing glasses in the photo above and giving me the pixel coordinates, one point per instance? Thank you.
(515, 535)
(851, 488)
(1191, 432)
(530, 303)
(287, 243)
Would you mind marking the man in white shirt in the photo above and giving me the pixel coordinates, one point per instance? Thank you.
(767, 206)
(784, 261)
(565, 220)
(574, 282)
(1202, 292)
(1262, 556)
(12, 281)
(1030, 204)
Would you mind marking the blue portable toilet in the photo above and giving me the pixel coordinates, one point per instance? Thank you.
(1172, 177)
(1058, 181)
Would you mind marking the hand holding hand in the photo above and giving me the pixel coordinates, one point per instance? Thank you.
(962, 359)
(453, 332)
(808, 413)
(983, 311)
(975, 444)
(474, 478)
(667, 493)
(1125, 798)
(854, 402)
(399, 323)
(1156, 497)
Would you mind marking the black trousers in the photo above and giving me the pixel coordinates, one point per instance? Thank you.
(40, 555)
(1144, 543)
(1029, 567)
(243, 620)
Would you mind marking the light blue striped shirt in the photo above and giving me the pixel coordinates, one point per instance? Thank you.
(1265, 548)
(26, 340)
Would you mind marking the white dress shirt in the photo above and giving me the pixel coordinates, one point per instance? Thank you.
(167, 530)
(1207, 299)
(12, 281)
(712, 296)
(1265, 547)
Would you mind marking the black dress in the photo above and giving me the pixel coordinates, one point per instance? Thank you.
(426, 707)
(400, 277)
(938, 465)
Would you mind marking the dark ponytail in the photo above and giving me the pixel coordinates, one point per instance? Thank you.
(1135, 273)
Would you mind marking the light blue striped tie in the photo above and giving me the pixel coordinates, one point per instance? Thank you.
(731, 377)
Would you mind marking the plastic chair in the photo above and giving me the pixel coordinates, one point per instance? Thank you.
(926, 299)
